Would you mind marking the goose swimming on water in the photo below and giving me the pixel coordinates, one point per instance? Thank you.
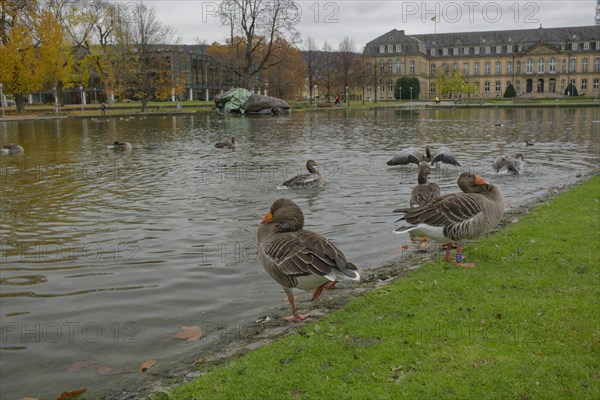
(12, 148)
(118, 145)
(503, 164)
(226, 144)
(312, 179)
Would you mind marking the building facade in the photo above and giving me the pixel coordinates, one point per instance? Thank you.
(538, 62)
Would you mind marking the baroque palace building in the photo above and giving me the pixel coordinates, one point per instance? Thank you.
(538, 62)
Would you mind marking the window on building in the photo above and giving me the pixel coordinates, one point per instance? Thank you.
(563, 85)
(573, 65)
(390, 48)
(573, 82)
(466, 51)
(390, 66)
(398, 67)
(487, 68)
(498, 49)
(563, 65)
(574, 46)
(369, 88)
(381, 66)
(455, 66)
(488, 49)
(553, 65)
(541, 65)
(382, 48)
(476, 50)
(476, 69)
(498, 67)
(466, 69)
(411, 67)
(509, 48)
(445, 51)
(455, 51)
(390, 86)
(529, 66)
(586, 45)
(486, 86)
(518, 67)
(432, 88)
(381, 88)
(596, 83)
(398, 48)
(509, 67)
(584, 84)
(584, 65)
(432, 69)
(498, 86)
(597, 64)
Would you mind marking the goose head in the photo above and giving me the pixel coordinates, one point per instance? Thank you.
(424, 171)
(284, 216)
(311, 166)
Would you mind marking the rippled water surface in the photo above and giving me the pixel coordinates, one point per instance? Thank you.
(106, 255)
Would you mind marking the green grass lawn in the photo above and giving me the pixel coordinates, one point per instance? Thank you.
(523, 324)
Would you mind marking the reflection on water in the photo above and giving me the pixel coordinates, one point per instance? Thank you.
(105, 255)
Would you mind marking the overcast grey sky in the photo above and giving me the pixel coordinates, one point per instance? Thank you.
(365, 20)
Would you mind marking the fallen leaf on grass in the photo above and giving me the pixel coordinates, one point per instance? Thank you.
(146, 365)
(79, 365)
(189, 333)
(73, 394)
(110, 371)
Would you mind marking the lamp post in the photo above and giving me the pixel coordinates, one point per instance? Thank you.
(400, 87)
(95, 97)
(347, 98)
(316, 95)
(55, 100)
(2, 101)
(461, 93)
(411, 94)
(81, 92)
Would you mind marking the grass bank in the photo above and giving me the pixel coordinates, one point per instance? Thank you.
(523, 324)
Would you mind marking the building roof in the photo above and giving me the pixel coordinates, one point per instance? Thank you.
(553, 37)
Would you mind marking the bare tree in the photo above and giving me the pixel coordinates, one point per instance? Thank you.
(143, 71)
(314, 65)
(259, 24)
(347, 60)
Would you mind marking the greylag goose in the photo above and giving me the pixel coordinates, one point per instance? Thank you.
(226, 144)
(503, 164)
(414, 156)
(298, 258)
(528, 143)
(458, 217)
(12, 148)
(313, 178)
(425, 192)
(118, 145)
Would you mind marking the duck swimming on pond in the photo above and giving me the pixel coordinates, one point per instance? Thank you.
(12, 149)
(118, 145)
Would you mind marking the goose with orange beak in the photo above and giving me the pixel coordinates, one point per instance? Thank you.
(457, 217)
(298, 258)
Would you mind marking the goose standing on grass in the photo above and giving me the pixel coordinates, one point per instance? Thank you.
(457, 217)
(425, 192)
(226, 144)
(12, 149)
(412, 155)
(118, 145)
(528, 143)
(313, 178)
(503, 164)
(298, 258)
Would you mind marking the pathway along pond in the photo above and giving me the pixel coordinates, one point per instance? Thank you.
(106, 255)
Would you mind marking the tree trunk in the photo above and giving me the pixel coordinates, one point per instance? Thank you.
(144, 104)
(20, 103)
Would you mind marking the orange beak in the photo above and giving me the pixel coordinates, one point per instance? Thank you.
(267, 218)
(480, 181)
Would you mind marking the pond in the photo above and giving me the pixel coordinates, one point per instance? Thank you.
(105, 256)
